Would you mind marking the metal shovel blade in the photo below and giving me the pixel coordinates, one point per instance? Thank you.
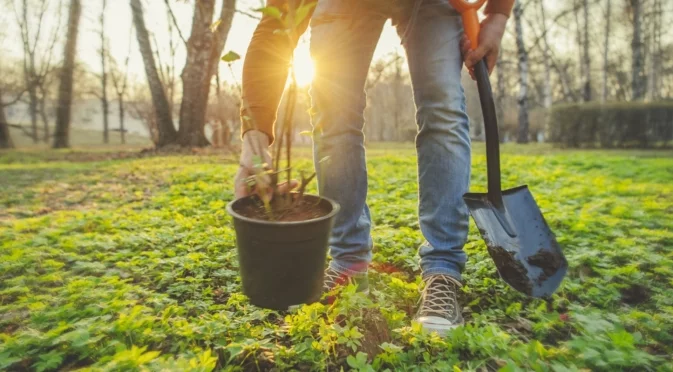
(531, 261)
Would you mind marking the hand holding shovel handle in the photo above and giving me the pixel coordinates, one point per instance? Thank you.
(517, 236)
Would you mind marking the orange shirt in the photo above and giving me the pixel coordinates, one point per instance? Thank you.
(499, 6)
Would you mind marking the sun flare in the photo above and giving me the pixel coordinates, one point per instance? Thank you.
(303, 65)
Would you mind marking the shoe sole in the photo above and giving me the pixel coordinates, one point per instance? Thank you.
(440, 329)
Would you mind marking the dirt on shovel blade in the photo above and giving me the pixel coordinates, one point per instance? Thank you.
(510, 269)
(547, 260)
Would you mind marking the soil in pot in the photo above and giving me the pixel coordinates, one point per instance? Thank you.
(302, 210)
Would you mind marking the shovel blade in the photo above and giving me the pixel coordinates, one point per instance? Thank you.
(531, 262)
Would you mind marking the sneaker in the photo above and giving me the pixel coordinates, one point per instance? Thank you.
(335, 278)
(439, 311)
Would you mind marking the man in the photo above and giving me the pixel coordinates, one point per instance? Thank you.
(344, 36)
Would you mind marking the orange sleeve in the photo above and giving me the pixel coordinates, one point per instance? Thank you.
(499, 6)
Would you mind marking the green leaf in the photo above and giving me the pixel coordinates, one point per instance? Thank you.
(215, 25)
(49, 361)
(302, 12)
(270, 11)
(6, 360)
(230, 57)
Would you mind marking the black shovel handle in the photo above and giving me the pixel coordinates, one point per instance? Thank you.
(491, 129)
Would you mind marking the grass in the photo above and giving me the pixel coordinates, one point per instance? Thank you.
(130, 264)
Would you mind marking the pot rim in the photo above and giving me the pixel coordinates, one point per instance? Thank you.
(335, 209)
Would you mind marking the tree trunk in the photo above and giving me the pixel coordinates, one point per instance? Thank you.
(61, 137)
(5, 137)
(655, 51)
(167, 133)
(637, 57)
(579, 75)
(32, 108)
(204, 48)
(103, 77)
(522, 99)
(606, 50)
(43, 116)
(195, 76)
(122, 131)
(586, 57)
(547, 97)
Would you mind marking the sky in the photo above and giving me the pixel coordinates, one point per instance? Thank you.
(119, 24)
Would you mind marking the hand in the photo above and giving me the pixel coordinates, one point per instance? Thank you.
(253, 142)
(490, 35)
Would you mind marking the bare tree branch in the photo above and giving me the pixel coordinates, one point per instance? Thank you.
(249, 15)
(175, 21)
(16, 99)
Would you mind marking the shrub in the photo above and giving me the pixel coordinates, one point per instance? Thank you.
(620, 124)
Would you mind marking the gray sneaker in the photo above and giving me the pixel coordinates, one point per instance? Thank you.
(439, 311)
(335, 278)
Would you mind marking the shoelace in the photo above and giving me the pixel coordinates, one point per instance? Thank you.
(438, 296)
(332, 279)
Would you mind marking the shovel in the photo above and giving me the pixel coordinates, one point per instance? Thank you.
(522, 245)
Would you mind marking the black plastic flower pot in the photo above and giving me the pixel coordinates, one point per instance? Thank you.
(282, 263)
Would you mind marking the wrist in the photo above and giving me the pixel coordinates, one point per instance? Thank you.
(497, 18)
(255, 136)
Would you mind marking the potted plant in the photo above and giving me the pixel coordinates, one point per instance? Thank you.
(281, 237)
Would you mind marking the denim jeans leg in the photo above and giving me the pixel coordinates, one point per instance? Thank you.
(343, 38)
(443, 141)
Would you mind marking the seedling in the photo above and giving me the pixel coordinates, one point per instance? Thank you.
(265, 179)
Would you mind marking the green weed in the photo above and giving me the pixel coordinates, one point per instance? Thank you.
(131, 265)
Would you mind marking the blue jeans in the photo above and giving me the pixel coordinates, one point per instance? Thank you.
(343, 38)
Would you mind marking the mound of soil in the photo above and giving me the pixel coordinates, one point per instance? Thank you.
(635, 294)
(375, 332)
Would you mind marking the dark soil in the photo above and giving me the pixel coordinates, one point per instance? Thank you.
(547, 260)
(510, 269)
(375, 332)
(374, 329)
(635, 294)
(302, 210)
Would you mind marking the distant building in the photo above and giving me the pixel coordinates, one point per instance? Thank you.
(86, 114)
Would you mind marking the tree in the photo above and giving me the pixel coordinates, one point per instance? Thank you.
(61, 137)
(655, 52)
(120, 78)
(606, 50)
(6, 137)
(586, 57)
(9, 86)
(104, 74)
(166, 131)
(547, 97)
(637, 54)
(204, 49)
(522, 53)
(37, 58)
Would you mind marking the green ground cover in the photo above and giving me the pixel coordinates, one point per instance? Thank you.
(130, 264)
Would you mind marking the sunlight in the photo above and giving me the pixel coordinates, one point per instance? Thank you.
(303, 64)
